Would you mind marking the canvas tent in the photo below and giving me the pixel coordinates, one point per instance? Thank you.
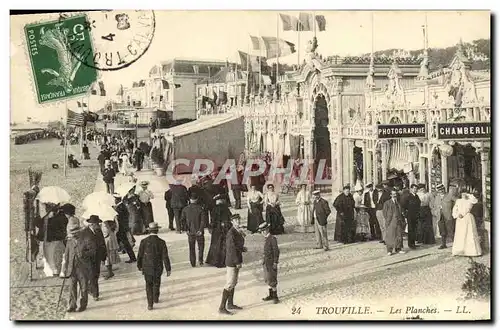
(214, 137)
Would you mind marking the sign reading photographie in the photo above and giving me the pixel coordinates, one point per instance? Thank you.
(397, 131)
(452, 131)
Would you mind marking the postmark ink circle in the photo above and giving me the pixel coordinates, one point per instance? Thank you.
(119, 38)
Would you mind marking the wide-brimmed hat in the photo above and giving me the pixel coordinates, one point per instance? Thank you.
(144, 183)
(218, 197)
(153, 226)
(117, 195)
(440, 187)
(263, 226)
(379, 186)
(270, 185)
(361, 206)
(357, 187)
(369, 185)
(316, 192)
(94, 219)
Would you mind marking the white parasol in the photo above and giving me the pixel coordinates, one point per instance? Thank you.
(123, 189)
(104, 212)
(53, 194)
(98, 198)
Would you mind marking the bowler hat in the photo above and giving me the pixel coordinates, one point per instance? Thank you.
(68, 209)
(94, 219)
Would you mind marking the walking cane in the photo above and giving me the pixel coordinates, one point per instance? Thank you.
(60, 293)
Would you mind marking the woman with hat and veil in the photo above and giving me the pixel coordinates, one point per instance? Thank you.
(255, 201)
(425, 231)
(219, 225)
(274, 217)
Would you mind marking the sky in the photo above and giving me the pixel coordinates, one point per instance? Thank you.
(220, 34)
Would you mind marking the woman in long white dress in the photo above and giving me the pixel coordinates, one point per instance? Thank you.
(303, 202)
(466, 241)
(124, 170)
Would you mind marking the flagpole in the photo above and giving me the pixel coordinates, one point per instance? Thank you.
(298, 43)
(66, 142)
(278, 54)
(314, 23)
(426, 40)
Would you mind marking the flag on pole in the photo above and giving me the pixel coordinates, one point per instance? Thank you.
(321, 22)
(253, 61)
(255, 42)
(101, 91)
(290, 23)
(307, 21)
(167, 85)
(84, 105)
(275, 47)
(75, 119)
(79, 104)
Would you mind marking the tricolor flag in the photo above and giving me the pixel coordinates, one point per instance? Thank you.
(253, 61)
(275, 47)
(307, 21)
(101, 91)
(75, 119)
(290, 23)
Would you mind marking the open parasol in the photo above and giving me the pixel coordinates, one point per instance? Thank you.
(98, 198)
(104, 212)
(123, 189)
(53, 194)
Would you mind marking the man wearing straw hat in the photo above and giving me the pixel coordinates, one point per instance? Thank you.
(270, 262)
(152, 256)
(77, 265)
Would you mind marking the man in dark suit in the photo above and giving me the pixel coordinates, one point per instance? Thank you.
(270, 262)
(178, 202)
(394, 224)
(123, 228)
(94, 232)
(152, 256)
(195, 218)
(411, 209)
(370, 199)
(108, 176)
(170, 210)
(321, 211)
(237, 188)
(77, 265)
(382, 196)
(235, 246)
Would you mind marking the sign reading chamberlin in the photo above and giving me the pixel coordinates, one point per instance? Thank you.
(396, 131)
(479, 130)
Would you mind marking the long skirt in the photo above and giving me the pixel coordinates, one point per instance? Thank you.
(112, 248)
(52, 257)
(363, 223)
(425, 232)
(304, 215)
(337, 235)
(467, 241)
(147, 213)
(255, 217)
(217, 253)
(135, 220)
(86, 155)
(275, 219)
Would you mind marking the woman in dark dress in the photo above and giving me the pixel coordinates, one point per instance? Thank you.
(85, 150)
(274, 217)
(425, 232)
(255, 201)
(219, 226)
(133, 204)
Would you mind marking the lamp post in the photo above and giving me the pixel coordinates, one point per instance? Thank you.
(136, 130)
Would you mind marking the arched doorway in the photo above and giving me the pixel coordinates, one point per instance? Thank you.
(322, 145)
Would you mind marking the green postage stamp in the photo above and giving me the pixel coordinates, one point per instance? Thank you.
(59, 74)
